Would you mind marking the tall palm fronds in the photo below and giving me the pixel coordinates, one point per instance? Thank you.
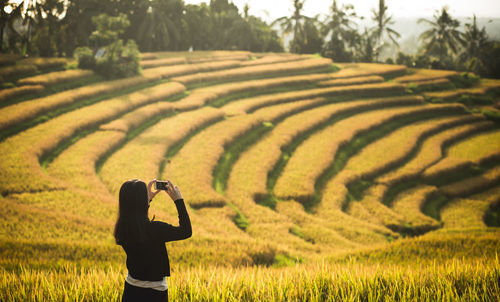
(340, 30)
(7, 21)
(340, 22)
(475, 42)
(295, 24)
(442, 36)
(160, 29)
(382, 28)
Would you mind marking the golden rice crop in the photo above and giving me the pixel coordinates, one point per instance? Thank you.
(339, 228)
(443, 280)
(249, 104)
(148, 56)
(201, 96)
(273, 58)
(32, 144)
(135, 118)
(255, 163)
(249, 174)
(203, 151)
(472, 184)
(469, 212)
(44, 63)
(252, 71)
(10, 93)
(21, 112)
(149, 148)
(17, 70)
(408, 205)
(446, 165)
(394, 147)
(485, 86)
(352, 81)
(350, 70)
(309, 159)
(248, 177)
(478, 148)
(200, 56)
(70, 203)
(463, 213)
(163, 62)
(220, 56)
(425, 83)
(370, 209)
(177, 70)
(424, 75)
(431, 151)
(56, 77)
(314, 229)
(77, 164)
(8, 58)
(57, 215)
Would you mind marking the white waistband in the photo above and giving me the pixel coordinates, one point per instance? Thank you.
(156, 285)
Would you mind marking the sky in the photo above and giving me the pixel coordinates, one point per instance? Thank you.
(273, 9)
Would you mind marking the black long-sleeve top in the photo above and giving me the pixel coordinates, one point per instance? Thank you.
(148, 261)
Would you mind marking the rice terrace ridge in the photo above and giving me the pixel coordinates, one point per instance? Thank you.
(336, 157)
(305, 179)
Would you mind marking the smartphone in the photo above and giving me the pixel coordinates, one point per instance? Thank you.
(161, 185)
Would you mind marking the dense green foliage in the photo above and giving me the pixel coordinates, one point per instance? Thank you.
(109, 56)
(53, 28)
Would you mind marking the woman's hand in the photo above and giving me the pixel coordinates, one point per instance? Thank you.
(173, 191)
(152, 194)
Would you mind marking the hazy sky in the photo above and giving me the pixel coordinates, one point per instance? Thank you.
(272, 9)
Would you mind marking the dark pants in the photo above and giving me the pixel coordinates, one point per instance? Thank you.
(133, 293)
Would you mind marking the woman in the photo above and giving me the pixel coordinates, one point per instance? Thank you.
(144, 240)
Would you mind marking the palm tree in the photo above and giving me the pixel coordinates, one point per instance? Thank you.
(443, 34)
(475, 43)
(383, 22)
(341, 30)
(295, 25)
(7, 22)
(160, 29)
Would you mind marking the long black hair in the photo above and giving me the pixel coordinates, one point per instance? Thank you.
(132, 223)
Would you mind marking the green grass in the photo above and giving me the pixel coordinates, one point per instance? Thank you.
(232, 152)
(459, 175)
(356, 189)
(394, 190)
(492, 216)
(416, 88)
(433, 204)
(239, 219)
(492, 115)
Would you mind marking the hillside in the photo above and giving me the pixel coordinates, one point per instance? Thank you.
(282, 159)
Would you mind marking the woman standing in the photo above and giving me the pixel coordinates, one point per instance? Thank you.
(144, 241)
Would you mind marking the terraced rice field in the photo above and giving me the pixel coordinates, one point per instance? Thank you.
(283, 160)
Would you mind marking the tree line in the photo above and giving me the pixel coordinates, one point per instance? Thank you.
(58, 27)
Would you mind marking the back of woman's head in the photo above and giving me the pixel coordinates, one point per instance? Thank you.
(131, 225)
